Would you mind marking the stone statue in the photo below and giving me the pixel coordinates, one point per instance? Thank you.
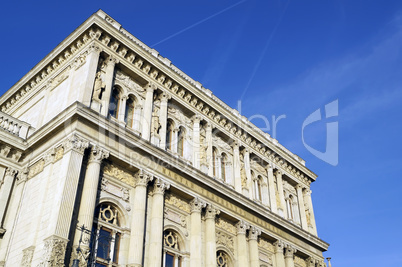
(98, 87)
(155, 121)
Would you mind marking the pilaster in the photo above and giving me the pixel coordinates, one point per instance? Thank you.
(163, 119)
(236, 167)
(302, 210)
(111, 63)
(147, 114)
(196, 141)
(279, 183)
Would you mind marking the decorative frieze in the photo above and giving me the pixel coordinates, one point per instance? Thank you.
(118, 191)
(76, 143)
(36, 168)
(227, 226)
(264, 244)
(118, 173)
(179, 203)
(300, 262)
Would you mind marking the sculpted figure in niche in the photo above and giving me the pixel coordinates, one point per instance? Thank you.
(98, 87)
(243, 176)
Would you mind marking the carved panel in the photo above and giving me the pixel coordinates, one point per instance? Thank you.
(54, 252)
(128, 82)
(59, 153)
(36, 168)
(118, 173)
(175, 217)
(227, 226)
(27, 255)
(177, 202)
(299, 262)
(264, 244)
(118, 191)
(225, 240)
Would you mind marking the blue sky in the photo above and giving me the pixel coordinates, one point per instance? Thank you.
(278, 58)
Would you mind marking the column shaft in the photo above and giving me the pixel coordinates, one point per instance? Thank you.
(209, 150)
(156, 224)
(272, 190)
(253, 245)
(111, 62)
(138, 219)
(242, 249)
(289, 252)
(279, 258)
(210, 236)
(147, 116)
(196, 141)
(163, 119)
(5, 191)
(236, 168)
(302, 210)
(248, 192)
(195, 233)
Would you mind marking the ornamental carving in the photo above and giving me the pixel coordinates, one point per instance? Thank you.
(118, 173)
(211, 212)
(175, 217)
(174, 201)
(227, 226)
(264, 244)
(76, 143)
(242, 227)
(27, 255)
(116, 190)
(254, 232)
(224, 240)
(56, 81)
(128, 82)
(160, 186)
(142, 178)
(36, 168)
(299, 262)
(54, 252)
(98, 154)
(197, 204)
(59, 153)
(99, 87)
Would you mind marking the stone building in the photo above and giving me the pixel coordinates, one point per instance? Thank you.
(112, 156)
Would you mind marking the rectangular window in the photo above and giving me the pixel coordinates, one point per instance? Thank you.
(169, 260)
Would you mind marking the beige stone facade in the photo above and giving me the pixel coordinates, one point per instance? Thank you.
(107, 134)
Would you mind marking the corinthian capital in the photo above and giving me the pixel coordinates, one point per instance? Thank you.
(142, 178)
(254, 232)
(23, 175)
(165, 97)
(160, 186)
(75, 143)
(242, 227)
(112, 61)
(278, 246)
(289, 251)
(211, 212)
(98, 154)
(11, 172)
(151, 87)
(196, 205)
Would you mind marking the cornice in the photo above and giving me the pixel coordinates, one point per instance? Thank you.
(172, 79)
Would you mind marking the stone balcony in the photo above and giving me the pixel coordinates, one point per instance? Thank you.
(15, 126)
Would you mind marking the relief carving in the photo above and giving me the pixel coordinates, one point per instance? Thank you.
(225, 240)
(27, 255)
(54, 252)
(227, 226)
(119, 174)
(177, 202)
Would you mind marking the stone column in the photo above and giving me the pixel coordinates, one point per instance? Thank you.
(111, 62)
(329, 262)
(210, 235)
(289, 252)
(136, 247)
(253, 244)
(280, 260)
(272, 190)
(122, 109)
(195, 233)
(242, 244)
(89, 193)
(62, 206)
(196, 141)
(163, 119)
(246, 191)
(302, 210)
(279, 182)
(147, 115)
(313, 229)
(5, 190)
(92, 60)
(156, 224)
(236, 167)
(208, 137)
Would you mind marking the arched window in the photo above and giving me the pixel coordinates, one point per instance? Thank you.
(224, 160)
(129, 114)
(114, 103)
(215, 161)
(106, 242)
(180, 142)
(172, 256)
(169, 134)
(222, 259)
(289, 206)
(257, 187)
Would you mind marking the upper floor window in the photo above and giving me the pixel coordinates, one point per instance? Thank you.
(114, 103)
(257, 181)
(106, 243)
(172, 256)
(180, 142)
(289, 206)
(169, 134)
(129, 114)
